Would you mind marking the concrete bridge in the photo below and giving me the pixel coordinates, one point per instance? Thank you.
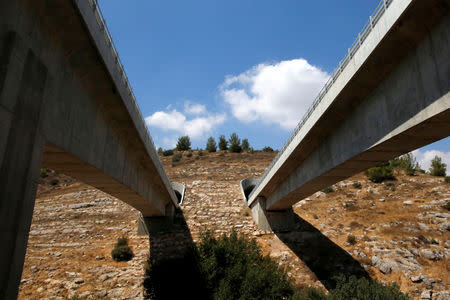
(66, 104)
(388, 96)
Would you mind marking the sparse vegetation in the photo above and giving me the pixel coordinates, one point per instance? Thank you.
(44, 172)
(446, 206)
(328, 190)
(184, 143)
(406, 162)
(176, 157)
(351, 239)
(167, 152)
(223, 143)
(211, 145)
(121, 251)
(438, 168)
(267, 149)
(235, 143)
(357, 185)
(380, 173)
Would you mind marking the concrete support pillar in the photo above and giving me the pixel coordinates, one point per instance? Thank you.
(158, 224)
(277, 220)
(21, 148)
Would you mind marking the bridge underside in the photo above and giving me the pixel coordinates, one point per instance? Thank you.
(397, 101)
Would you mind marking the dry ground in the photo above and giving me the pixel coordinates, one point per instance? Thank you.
(401, 230)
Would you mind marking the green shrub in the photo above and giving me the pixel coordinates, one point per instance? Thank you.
(211, 145)
(184, 143)
(54, 181)
(167, 152)
(351, 239)
(200, 152)
(44, 172)
(380, 173)
(160, 150)
(189, 154)
(438, 168)
(446, 206)
(365, 289)
(176, 157)
(406, 162)
(328, 190)
(251, 150)
(121, 251)
(235, 143)
(357, 185)
(234, 268)
(223, 144)
(309, 293)
(447, 179)
(267, 149)
(245, 145)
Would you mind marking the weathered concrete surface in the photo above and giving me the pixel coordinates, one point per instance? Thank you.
(391, 98)
(65, 105)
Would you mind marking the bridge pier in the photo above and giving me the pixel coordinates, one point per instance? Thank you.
(272, 220)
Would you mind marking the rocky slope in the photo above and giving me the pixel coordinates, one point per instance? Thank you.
(395, 231)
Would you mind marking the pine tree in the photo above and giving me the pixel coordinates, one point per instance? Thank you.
(184, 143)
(438, 168)
(245, 145)
(211, 145)
(235, 143)
(223, 144)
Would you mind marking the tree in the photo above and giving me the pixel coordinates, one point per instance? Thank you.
(184, 143)
(438, 168)
(223, 144)
(235, 143)
(406, 162)
(245, 145)
(211, 145)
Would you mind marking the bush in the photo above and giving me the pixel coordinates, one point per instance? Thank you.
(121, 251)
(200, 152)
(223, 144)
(160, 150)
(167, 153)
(54, 182)
(447, 179)
(446, 206)
(184, 143)
(351, 239)
(328, 190)
(234, 268)
(245, 145)
(380, 173)
(365, 289)
(251, 150)
(357, 185)
(211, 145)
(235, 143)
(176, 157)
(438, 168)
(44, 172)
(406, 162)
(189, 154)
(267, 149)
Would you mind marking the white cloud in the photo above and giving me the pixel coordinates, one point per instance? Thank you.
(194, 108)
(173, 120)
(424, 158)
(274, 93)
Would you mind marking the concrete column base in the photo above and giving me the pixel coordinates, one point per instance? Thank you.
(279, 220)
(157, 224)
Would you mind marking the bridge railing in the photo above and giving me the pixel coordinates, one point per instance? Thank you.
(373, 20)
(102, 24)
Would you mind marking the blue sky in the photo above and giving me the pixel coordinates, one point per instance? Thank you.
(216, 67)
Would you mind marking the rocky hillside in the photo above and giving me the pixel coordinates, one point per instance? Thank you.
(394, 231)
